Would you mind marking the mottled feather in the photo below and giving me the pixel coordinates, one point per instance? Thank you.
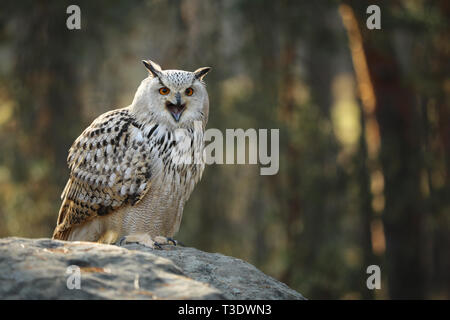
(110, 166)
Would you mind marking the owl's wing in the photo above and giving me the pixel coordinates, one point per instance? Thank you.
(110, 166)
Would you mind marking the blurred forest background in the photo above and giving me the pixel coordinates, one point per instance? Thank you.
(364, 119)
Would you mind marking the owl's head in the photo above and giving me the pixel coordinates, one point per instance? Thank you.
(173, 97)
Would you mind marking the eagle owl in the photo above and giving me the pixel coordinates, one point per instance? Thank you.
(124, 183)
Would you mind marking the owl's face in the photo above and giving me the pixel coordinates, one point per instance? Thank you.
(174, 97)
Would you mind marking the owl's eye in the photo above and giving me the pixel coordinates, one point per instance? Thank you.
(164, 91)
(189, 91)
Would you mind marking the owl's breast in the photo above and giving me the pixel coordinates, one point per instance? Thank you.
(176, 167)
(160, 211)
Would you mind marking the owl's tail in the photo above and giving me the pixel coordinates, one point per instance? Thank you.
(58, 233)
(61, 231)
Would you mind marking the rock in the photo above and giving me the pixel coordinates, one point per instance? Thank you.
(38, 269)
(235, 278)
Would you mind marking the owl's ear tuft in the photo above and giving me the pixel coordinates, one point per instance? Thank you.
(201, 72)
(152, 67)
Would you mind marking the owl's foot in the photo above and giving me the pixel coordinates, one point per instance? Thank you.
(146, 240)
(165, 240)
(141, 238)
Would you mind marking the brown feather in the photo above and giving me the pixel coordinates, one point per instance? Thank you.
(109, 168)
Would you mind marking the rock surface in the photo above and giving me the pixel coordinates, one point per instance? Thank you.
(38, 269)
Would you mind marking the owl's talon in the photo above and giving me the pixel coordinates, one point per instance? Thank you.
(165, 240)
(121, 242)
(142, 239)
(171, 240)
(158, 245)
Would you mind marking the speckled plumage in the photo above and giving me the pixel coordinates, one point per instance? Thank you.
(123, 180)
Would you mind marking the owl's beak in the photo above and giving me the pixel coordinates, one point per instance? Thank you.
(175, 109)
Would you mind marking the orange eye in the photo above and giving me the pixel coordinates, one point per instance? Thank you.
(189, 91)
(164, 91)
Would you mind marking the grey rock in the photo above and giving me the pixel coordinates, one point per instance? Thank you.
(38, 269)
(235, 278)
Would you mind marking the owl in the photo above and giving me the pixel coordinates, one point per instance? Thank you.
(125, 185)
